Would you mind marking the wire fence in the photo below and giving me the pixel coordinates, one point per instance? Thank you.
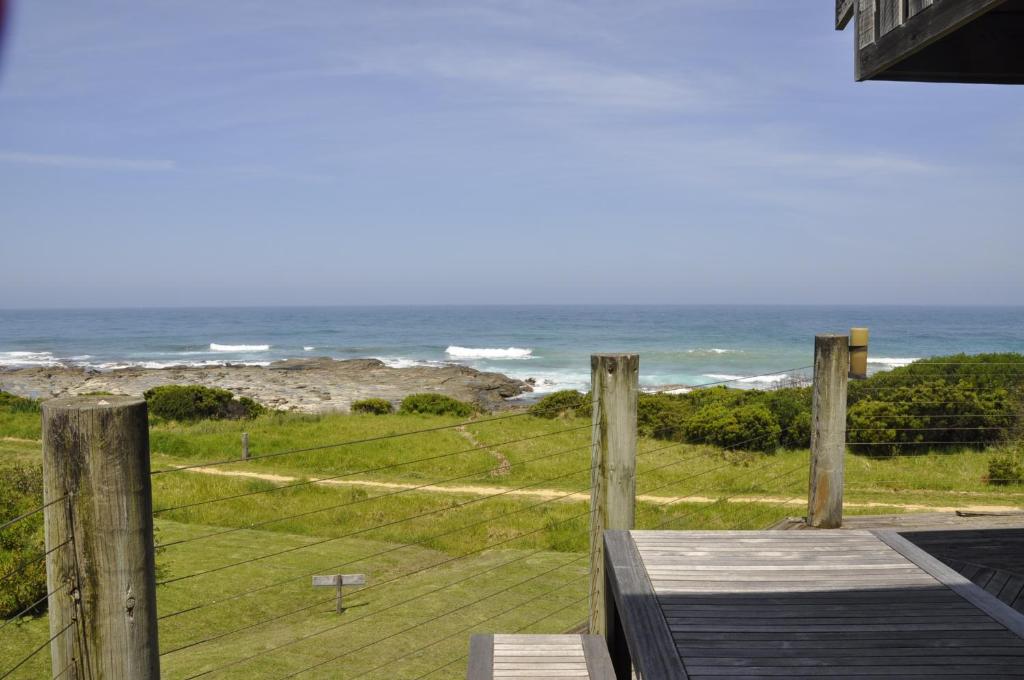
(25, 633)
(488, 535)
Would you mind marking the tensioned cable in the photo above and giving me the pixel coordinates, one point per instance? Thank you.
(704, 472)
(378, 554)
(724, 498)
(926, 429)
(749, 377)
(908, 443)
(373, 498)
(37, 650)
(351, 442)
(364, 530)
(379, 584)
(413, 573)
(518, 630)
(462, 631)
(30, 560)
(30, 607)
(318, 480)
(447, 613)
(30, 513)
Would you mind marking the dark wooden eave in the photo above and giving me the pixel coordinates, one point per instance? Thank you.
(958, 41)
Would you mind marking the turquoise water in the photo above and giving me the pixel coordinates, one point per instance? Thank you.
(684, 345)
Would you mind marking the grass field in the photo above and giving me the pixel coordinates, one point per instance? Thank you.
(500, 547)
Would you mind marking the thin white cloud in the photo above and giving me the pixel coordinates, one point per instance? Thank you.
(86, 162)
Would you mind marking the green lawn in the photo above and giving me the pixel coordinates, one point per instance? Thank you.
(440, 565)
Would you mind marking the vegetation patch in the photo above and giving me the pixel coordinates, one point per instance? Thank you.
(565, 403)
(21, 543)
(433, 404)
(374, 407)
(195, 402)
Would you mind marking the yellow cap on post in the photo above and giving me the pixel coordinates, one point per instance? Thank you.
(858, 353)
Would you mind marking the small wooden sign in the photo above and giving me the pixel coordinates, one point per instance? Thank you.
(337, 581)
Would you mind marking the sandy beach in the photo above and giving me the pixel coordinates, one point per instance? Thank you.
(304, 385)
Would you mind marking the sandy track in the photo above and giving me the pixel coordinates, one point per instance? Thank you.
(559, 495)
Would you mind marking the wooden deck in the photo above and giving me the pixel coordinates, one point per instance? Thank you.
(988, 549)
(836, 603)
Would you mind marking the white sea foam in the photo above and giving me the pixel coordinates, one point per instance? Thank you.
(23, 359)
(752, 380)
(308, 348)
(892, 362)
(403, 362)
(119, 365)
(457, 352)
(214, 347)
(712, 350)
(678, 390)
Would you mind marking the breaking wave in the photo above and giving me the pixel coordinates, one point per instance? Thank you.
(457, 352)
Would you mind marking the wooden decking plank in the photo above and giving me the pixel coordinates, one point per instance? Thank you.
(1004, 614)
(646, 630)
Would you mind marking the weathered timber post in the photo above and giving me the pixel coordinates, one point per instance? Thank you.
(100, 565)
(614, 382)
(828, 431)
(245, 446)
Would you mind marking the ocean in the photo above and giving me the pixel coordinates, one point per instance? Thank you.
(678, 345)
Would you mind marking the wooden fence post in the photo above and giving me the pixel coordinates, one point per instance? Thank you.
(245, 446)
(100, 565)
(828, 431)
(614, 382)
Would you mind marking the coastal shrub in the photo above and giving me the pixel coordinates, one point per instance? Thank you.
(563, 403)
(12, 403)
(196, 402)
(928, 414)
(431, 403)
(21, 491)
(750, 427)
(375, 407)
(662, 415)
(1006, 468)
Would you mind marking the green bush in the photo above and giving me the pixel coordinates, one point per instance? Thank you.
(928, 414)
(376, 407)
(196, 402)
(21, 544)
(15, 404)
(750, 427)
(1006, 468)
(563, 403)
(431, 403)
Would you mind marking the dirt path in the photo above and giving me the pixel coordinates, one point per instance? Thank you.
(556, 494)
(504, 466)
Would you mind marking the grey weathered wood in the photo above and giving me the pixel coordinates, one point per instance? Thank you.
(644, 626)
(866, 24)
(986, 602)
(916, 6)
(599, 662)
(890, 15)
(881, 53)
(96, 452)
(481, 658)
(755, 616)
(844, 12)
(828, 431)
(614, 382)
(538, 656)
(245, 446)
(337, 581)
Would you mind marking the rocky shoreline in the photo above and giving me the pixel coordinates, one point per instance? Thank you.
(305, 385)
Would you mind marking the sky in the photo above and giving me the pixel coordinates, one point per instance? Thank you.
(187, 152)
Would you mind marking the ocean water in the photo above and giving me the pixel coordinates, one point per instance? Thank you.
(678, 345)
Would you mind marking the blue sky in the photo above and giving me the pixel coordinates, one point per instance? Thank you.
(341, 152)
